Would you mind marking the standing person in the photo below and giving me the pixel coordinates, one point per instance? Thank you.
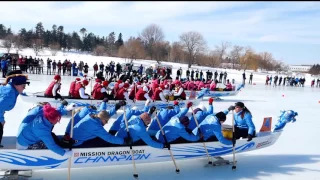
(250, 79)
(54, 67)
(14, 85)
(95, 68)
(4, 67)
(86, 67)
(244, 78)
(49, 66)
(14, 64)
(41, 63)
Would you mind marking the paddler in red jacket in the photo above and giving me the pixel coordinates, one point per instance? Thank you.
(54, 88)
(73, 86)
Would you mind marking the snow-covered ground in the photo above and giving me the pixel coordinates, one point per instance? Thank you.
(295, 156)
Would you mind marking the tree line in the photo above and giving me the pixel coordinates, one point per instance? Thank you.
(149, 44)
(315, 69)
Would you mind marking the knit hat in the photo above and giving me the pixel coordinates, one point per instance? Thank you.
(19, 80)
(105, 83)
(240, 104)
(145, 118)
(78, 79)
(98, 80)
(57, 77)
(85, 82)
(51, 114)
(221, 116)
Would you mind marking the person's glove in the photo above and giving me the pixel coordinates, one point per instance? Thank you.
(68, 140)
(176, 103)
(151, 110)
(189, 104)
(120, 104)
(210, 101)
(68, 153)
(234, 141)
(231, 108)
(127, 141)
(166, 145)
(64, 103)
(249, 137)
(105, 100)
(93, 107)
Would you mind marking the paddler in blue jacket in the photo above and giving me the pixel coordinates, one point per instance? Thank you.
(164, 116)
(129, 113)
(137, 129)
(244, 126)
(36, 129)
(175, 129)
(200, 113)
(89, 131)
(211, 128)
(14, 85)
(82, 112)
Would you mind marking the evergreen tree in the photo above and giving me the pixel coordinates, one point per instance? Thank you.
(3, 31)
(119, 42)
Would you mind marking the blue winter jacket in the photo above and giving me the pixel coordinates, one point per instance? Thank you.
(245, 122)
(200, 116)
(174, 129)
(85, 111)
(8, 99)
(164, 116)
(35, 128)
(211, 126)
(4, 64)
(90, 128)
(137, 130)
(129, 113)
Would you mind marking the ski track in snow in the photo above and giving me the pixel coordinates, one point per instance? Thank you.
(295, 156)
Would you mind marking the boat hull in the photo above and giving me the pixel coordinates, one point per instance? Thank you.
(14, 159)
(34, 99)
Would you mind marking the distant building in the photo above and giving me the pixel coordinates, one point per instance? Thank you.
(300, 68)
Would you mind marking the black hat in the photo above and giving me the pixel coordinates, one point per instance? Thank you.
(221, 116)
(240, 104)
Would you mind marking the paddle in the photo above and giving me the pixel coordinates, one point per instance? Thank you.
(166, 141)
(204, 144)
(71, 134)
(234, 167)
(135, 174)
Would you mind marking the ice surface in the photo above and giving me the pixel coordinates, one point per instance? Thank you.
(295, 156)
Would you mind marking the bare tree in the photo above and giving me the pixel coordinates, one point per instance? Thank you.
(246, 58)
(235, 55)
(55, 47)
(193, 43)
(176, 53)
(222, 48)
(37, 46)
(132, 49)
(99, 50)
(214, 58)
(18, 43)
(150, 36)
(161, 51)
(8, 42)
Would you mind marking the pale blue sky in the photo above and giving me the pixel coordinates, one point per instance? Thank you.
(289, 30)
